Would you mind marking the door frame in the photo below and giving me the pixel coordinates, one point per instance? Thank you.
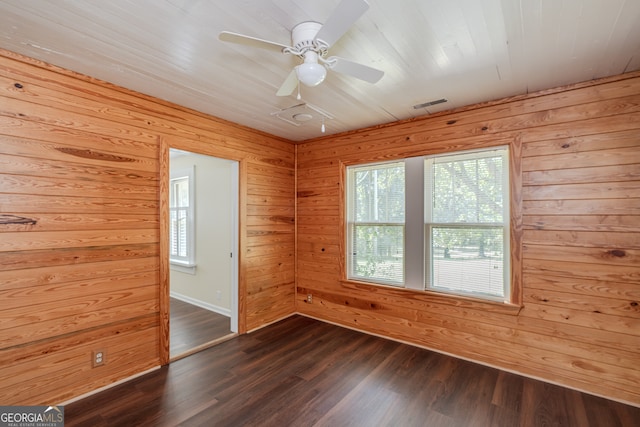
(239, 285)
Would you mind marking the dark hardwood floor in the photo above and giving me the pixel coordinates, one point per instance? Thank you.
(192, 326)
(302, 372)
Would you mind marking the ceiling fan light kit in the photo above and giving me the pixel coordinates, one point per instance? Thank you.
(310, 72)
(310, 42)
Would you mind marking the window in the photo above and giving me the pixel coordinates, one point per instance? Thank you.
(466, 223)
(376, 223)
(181, 219)
(439, 223)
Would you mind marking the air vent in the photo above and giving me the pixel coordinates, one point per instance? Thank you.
(429, 104)
(303, 114)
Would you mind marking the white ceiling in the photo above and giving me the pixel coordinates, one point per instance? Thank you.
(466, 51)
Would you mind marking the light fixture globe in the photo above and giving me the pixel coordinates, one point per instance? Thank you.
(311, 73)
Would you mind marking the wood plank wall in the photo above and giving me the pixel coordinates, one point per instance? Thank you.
(79, 227)
(580, 321)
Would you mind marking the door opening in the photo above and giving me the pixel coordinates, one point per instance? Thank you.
(202, 227)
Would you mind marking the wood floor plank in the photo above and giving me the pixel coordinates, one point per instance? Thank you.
(192, 326)
(303, 372)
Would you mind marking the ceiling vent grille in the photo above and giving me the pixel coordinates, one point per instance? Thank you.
(303, 114)
(429, 104)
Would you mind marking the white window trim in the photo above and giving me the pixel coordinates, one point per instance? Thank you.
(189, 265)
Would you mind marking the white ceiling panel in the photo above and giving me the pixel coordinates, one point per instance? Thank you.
(465, 51)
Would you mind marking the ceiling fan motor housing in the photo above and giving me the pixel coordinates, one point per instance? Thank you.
(303, 38)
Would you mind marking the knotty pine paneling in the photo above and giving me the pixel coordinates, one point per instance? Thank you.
(579, 324)
(80, 234)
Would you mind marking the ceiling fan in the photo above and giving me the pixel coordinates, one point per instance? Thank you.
(310, 42)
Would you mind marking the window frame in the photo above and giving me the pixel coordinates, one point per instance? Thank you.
(511, 305)
(430, 224)
(352, 223)
(184, 264)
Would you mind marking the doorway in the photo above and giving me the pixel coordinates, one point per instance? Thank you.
(203, 247)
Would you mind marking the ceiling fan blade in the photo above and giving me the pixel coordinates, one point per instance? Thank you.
(227, 36)
(342, 18)
(362, 72)
(289, 85)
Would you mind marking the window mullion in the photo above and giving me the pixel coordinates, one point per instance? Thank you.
(414, 223)
(427, 219)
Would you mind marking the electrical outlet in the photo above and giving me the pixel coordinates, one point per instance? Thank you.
(99, 358)
(310, 298)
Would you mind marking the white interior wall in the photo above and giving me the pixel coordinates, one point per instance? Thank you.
(210, 286)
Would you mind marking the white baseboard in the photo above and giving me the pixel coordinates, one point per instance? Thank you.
(220, 310)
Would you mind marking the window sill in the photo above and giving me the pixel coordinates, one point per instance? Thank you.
(182, 267)
(437, 297)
